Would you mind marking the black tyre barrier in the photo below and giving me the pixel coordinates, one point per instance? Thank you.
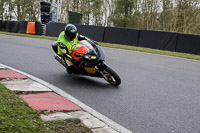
(121, 36)
(15, 27)
(22, 27)
(158, 40)
(188, 44)
(9, 26)
(38, 28)
(93, 32)
(54, 29)
(151, 39)
(3, 25)
(43, 29)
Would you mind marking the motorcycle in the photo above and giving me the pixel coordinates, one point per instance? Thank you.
(90, 61)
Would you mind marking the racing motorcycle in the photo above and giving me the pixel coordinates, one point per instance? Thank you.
(90, 61)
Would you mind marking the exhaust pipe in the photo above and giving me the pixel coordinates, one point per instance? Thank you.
(60, 60)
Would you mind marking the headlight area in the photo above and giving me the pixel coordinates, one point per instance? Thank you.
(92, 57)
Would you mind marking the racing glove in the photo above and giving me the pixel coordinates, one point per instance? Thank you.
(80, 38)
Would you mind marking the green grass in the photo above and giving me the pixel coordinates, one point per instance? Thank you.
(17, 116)
(134, 48)
(29, 35)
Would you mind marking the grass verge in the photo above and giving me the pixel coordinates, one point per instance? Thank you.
(17, 116)
(134, 48)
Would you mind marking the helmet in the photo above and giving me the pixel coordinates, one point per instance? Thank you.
(70, 32)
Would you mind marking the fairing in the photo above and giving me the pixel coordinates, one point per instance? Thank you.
(82, 48)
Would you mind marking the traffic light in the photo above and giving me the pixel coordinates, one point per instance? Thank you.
(45, 9)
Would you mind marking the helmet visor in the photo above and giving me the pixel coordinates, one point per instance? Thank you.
(71, 36)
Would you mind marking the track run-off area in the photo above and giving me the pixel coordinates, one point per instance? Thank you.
(158, 94)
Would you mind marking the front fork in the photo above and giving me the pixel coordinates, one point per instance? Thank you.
(101, 67)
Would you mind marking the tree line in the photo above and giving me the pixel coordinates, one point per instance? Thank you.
(165, 15)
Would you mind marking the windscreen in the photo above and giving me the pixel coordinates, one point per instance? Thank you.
(87, 44)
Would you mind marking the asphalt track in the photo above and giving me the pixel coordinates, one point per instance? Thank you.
(158, 94)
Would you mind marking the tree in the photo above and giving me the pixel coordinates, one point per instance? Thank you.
(97, 12)
(123, 11)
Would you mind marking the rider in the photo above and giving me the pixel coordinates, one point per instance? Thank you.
(68, 40)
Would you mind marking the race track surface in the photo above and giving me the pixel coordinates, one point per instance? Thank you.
(158, 94)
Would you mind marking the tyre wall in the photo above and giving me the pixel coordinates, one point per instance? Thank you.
(54, 29)
(92, 32)
(188, 44)
(121, 36)
(175, 42)
(21, 27)
(158, 40)
(2, 25)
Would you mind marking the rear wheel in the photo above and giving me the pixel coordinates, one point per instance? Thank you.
(111, 76)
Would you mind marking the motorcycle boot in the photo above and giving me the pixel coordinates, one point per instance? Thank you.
(70, 69)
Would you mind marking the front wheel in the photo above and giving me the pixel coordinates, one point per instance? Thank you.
(111, 76)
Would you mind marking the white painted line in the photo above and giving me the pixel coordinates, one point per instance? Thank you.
(96, 114)
(1, 67)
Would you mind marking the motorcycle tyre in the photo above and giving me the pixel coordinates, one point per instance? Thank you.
(113, 74)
